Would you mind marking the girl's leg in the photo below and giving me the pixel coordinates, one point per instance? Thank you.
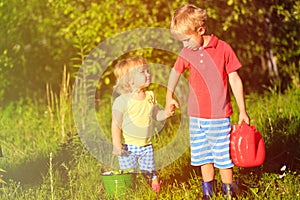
(146, 164)
(128, 161)
(156, 184)
(152, 179)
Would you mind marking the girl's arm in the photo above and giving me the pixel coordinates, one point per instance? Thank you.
(116, 132)
(238, 92)
(167, 112)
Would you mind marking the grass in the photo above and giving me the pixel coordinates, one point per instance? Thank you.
(38, 164)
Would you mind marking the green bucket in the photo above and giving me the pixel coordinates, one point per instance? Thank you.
(117, 185)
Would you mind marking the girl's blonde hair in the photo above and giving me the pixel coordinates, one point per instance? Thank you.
(187, 20)
(123, 75)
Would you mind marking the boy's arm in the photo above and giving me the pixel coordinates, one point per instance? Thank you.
(172, 83)
(116, 132)
(238, 92)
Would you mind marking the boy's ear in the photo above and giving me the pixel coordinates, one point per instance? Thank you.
(201, 30)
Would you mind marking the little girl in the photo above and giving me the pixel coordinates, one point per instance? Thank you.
(132, 115)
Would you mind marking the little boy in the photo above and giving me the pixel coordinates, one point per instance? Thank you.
(212, 67)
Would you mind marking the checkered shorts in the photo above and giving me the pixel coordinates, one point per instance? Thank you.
(139, 156)
(209, 139)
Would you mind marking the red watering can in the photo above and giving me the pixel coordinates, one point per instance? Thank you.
(247, 147)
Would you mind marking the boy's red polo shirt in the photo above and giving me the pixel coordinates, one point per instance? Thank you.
(208, 78)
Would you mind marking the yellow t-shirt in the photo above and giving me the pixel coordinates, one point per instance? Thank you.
(137, 118)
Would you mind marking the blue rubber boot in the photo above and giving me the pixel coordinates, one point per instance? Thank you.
(229, 190)
(208, 189)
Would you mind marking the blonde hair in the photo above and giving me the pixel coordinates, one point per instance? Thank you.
(187, 20)
(123, 75)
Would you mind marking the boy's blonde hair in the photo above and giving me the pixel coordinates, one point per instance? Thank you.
(123, 75)
(187, 20)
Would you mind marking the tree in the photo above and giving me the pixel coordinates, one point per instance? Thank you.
(38, 38)
(30, 46)
(265, 35)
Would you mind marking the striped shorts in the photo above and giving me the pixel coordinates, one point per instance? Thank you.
(209, 139)
(138, 156)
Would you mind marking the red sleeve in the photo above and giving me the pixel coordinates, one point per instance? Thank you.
(180, 65)
(232, 61)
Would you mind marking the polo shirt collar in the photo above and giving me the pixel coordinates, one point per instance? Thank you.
(212, 42)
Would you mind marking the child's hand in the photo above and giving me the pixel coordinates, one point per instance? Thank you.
(243, 117)
(172, 106)
(117, 150)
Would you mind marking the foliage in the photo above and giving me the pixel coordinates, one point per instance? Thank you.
(42, 44)
(28, 44)
(37, 39)
(25, 132)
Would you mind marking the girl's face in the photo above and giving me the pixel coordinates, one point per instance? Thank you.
(141, 77)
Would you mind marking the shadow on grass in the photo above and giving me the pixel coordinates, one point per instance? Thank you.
(32, 172)
(282, 149)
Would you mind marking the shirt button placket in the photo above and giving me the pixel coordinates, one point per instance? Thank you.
(201, 58)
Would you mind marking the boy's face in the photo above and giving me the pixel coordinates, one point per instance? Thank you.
(192, 41)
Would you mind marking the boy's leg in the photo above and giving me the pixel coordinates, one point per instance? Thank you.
(208, 184)
(226, 175)
(208, 172)
(208, 189)
(229, 189)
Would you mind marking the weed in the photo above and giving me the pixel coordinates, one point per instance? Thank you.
(31, 139)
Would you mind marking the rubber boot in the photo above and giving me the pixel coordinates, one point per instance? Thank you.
(208, 189)
(229, 190)
(157, 187)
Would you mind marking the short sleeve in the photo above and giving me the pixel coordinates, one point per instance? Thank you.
(180, 65)
(232, 61)
(119, 104)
